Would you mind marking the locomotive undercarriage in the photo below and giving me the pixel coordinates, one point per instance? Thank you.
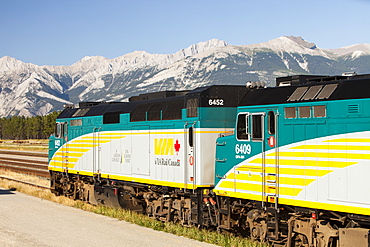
(282, 226)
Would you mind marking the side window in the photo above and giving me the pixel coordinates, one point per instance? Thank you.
(64, 129)
(61, 130)
(271, 123)
(111, 118)
(242, 132)
(191, 137)
(58, 130)
(319, 111)
(290, 112)
(257, 121)
(304, 111)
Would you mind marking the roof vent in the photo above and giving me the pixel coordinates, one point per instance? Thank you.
(353, 109)
(255, 84)
(352, 73)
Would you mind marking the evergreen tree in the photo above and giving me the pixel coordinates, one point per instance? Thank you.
(20, 127)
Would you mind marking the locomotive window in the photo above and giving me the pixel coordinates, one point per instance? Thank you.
(319, 111)
(58, 130)
(76, 122)
(271, 122)
(191, 136)
(192, 107)
(242, 127)
(304, 111)
(62, 130)
(111, 118)
(257, 122)
(290, 112)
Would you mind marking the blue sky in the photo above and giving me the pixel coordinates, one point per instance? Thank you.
(51, 32)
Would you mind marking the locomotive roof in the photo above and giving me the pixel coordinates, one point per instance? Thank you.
(313, 89)
(231, 94)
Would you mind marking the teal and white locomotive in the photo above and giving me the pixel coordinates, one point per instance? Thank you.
(287, 164)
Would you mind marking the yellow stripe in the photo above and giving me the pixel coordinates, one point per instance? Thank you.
(282, 180)
(67, 149)
(61, 164)
(154, 182)
(249, 168)
(109, 134)
(289, 191)
(349, 140)
(221, 192)
(213, 131)
(325, 206)
(307, 204)
(63, 170)
(292, 171)
(258, 188)
(322, 155)
(333, 147)
(138, 180)
(295, 181)
(81, 145)
(102, 137)
(69, 154)
(67, 159)
(97, 141)
(318, 163)
(143, 133)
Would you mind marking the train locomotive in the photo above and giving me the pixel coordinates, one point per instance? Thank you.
(286, 164)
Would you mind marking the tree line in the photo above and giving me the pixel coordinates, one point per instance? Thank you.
(21, 128)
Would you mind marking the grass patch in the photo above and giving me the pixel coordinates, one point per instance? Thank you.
(212, 237)
(25, 145)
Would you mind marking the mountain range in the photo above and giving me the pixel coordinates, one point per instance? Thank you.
(27, 89)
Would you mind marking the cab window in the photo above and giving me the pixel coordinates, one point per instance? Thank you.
(271, 122)
(257, 121)
(242, 127)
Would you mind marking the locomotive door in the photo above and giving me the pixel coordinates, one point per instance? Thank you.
(190, 176)
(65, 146)
(96, 152)
(271, 159)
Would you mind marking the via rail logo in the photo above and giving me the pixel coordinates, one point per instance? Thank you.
(166, 146)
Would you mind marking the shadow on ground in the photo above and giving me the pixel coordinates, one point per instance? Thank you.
(7, 192)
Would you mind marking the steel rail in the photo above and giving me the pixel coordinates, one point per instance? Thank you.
(27, 183)
(24, 164)
(24, 153)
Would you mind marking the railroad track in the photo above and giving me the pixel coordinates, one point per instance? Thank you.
(32, 163)
(27, 183)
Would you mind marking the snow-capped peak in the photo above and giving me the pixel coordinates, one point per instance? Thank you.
(26, 88)
(10, 64)
(352, 50)
(200, 47)
(289, 44)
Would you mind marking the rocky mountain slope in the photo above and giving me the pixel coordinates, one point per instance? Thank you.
(27, 89)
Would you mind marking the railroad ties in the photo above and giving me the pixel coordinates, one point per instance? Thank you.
(32, 163)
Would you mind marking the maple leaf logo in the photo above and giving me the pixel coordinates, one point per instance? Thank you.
(177, 147)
